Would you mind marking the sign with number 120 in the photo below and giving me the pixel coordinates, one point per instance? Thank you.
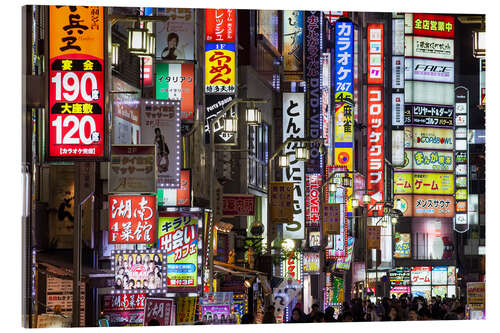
(76, 82)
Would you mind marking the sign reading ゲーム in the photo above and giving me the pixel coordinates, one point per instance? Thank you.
(76, 82)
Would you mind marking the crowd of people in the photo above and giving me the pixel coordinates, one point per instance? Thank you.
(385, 309)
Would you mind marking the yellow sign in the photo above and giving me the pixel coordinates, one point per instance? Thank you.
(476, 295)
(423, 183)
(343, 117)
(76, 30)
(186, 308)
(220, 68)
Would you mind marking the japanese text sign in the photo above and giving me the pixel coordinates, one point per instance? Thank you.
(186, 309)
(428, 160)
(425, 205)
(433, 138)
(332, 218)
(138, 271)
(132, 219)
(313, 185)
(293, 46)
(76, 82)
(312, 71)
(124, 302)
(161, 309)
(281, 202)
(421, 276)
(434, 25)
(423, 183)
(311, 262)
(429, 115)
(238, 205)
(220, 68)
(375, 54)
(294, 127)
(161, 126)
(402, 245)
(376, 145)
(292, 266)
(476, 295)
(373, 237)
(220, 25)
(178, 234)
(345, 263)
(132, 169)
(214, 105)
(176, 82)
(180, 197)
(426, 47)
(429, 70)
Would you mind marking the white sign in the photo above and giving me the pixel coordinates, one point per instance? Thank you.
(429, 70)
(417, 92)
(408, 23)
(398, 109)
(398, 37)
(432, 138)
(398, 73)
(427, 47)
(398, 156)
(294, 126)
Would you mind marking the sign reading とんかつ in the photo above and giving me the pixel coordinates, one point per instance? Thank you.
(76, 82)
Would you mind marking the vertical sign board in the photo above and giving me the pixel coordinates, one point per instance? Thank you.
(375, 73)
(398, 62)
(343, 147)
(293, 47)
(293, 127)
(312, 72)
(176, 81)
(461, 223)
(281, 196)
(376, 147)
(180, 197)
(220, 25)
(76, 82)
(161, 309)
(313, 185)
(175, 35)
(337, 243)
(482, 81)
(220, 68)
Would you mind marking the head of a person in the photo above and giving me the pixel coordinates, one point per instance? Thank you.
(173, 40)
(145, 283)
(296, 314)
(130, 260)
(393, 312)
(138, 260)
(215, 316)
(157, 270)
(131, 284)
(412, 314)
(138, 284)
(147, 258)
(315, 308)
(121, 271)
(125, 278)
(157, 131)
(319, 317)
(119, 282)
(424, 314)
(330, 311)
(156, 258)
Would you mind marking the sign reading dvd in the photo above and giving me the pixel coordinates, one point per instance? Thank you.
(76, 82)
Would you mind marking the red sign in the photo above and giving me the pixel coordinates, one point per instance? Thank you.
(148, 71)
(238, 205)
(124, 302)
(161, 309)
(434, 25)
(76, 82)
(313, 186)
(376, 146)
(375, 54)
(132, 219)
(220, 25)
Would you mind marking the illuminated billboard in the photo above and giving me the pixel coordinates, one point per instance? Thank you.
(424, 183)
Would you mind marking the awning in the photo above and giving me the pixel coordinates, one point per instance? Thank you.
(236, 270)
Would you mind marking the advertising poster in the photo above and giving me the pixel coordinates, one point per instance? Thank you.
(267, 26)
(180, 197)
(132, 219)
(132, 169)
(433, 25)
(375, 54)
(161, 309)
(424, 183)
(220, 25)
(61, 204)
(326, 63)
(282, 202)
(215, 313)
(294, 126)
(238, 205)
(375, 148)
(126, 114)
(214, 104)
(311, 262)
(161, 126)
(175, 36)
(429, 115)
(402, 247)
(425, 205)
(312, 72)
(400, 276)
(428, 160)
(345, 263)
(426, 47)
(293, 47)
(429, 70)
(186, 309)
(423, 291)
(313, 185)
(451, 275)
(439, 291)
(139, 271)
(76, 82)
(439, 275)
(59, 293)
(176, 82)
(476, 295)
(432, 138)
(420, 276)
(220, 68)
(178, 235)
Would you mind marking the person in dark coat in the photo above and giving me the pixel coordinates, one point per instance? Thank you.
(297, 316)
